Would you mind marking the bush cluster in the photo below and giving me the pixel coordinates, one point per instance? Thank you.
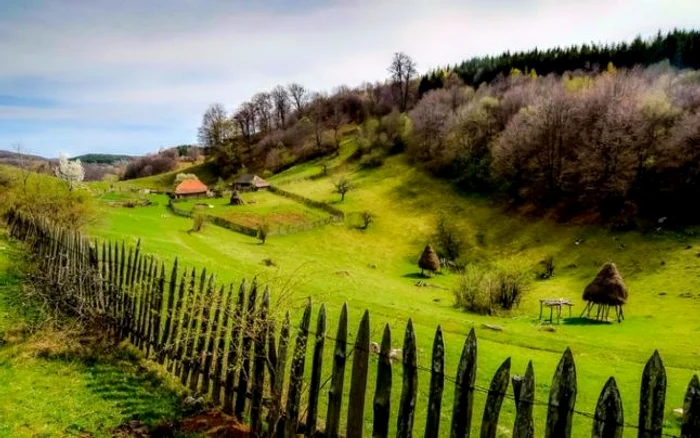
(486, 290)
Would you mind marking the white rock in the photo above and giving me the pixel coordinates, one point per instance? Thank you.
(396, 354)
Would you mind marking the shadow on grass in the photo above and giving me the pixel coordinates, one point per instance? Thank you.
(584, 321)
(416, 276)
(137, 393)
(116, 374)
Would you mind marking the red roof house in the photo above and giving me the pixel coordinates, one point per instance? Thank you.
(191, 188)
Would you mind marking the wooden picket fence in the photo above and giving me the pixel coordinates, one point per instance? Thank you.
(220, 342)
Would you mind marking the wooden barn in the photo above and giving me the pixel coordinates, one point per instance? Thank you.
(191, 188)
(249, 182)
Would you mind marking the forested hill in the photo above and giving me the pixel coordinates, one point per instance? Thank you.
(680, 48)
(102, 158)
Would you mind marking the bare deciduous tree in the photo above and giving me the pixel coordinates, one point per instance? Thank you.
(280, 99)
(22, 163)
(367, 218)
(402, 69)
(342, 185)
(215, 129)
(263, 108)
(432, 120)
(299, 95)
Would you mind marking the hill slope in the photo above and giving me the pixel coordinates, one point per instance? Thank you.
(376, 269)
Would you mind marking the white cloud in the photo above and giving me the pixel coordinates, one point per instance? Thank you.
(160, 63)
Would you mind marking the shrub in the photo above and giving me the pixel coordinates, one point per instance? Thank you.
(371, 161)
(197, 223)
(263, 232)
(473, 293)
(512, 281)
(367, 218)
(547, 267)
(485, 290)
(447, 237)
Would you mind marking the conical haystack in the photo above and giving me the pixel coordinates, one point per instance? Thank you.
(607, 287)
(236, 198)
(429, 260)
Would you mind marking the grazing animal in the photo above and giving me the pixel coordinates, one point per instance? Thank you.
(374, 348)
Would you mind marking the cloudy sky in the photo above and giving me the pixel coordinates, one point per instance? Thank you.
(131, 76)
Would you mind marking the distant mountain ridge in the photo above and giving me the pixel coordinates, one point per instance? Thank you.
(102, 158)
(9, 155)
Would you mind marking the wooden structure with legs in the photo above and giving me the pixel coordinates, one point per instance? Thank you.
(558, 304)
(603, 311)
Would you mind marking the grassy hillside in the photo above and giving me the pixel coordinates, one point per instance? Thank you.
(376, 269)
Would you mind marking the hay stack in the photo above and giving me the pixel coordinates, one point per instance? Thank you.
(236, 198)
(429, 260)
(607, 287)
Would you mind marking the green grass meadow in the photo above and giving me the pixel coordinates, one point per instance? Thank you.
(260, 207)
(376, 269)
(47, 390)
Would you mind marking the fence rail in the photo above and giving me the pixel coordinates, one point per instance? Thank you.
(220, 342)
(335, 212)
(280, 230)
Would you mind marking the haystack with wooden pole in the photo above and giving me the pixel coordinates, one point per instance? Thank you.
(236, 198)
(606, 290)
(429, 260)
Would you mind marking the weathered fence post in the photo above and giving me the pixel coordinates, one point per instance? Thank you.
(316, 368)
(297, 374)
(494, 400)
(259, 366)
(157, 309)
(562, 398)
(358, 384)
(176, 328)
(609, 418)
(335, 393)
(652, 398)
(243, 373)
(464, 389)
(524, 425)
(691, 410)
(437, 384)
(188, 360)
(165, 351)
(407, 404)
(188, 307)
(382, 394)
(233, 356)
(200, 334)
(225, 328)
(274, 415)
(214, 328)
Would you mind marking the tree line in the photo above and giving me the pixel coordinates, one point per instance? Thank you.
(278, 128)
(622, 144)
(680, 47)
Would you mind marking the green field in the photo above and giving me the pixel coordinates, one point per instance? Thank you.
(260, 207)
(376, 269)
(53, 384)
